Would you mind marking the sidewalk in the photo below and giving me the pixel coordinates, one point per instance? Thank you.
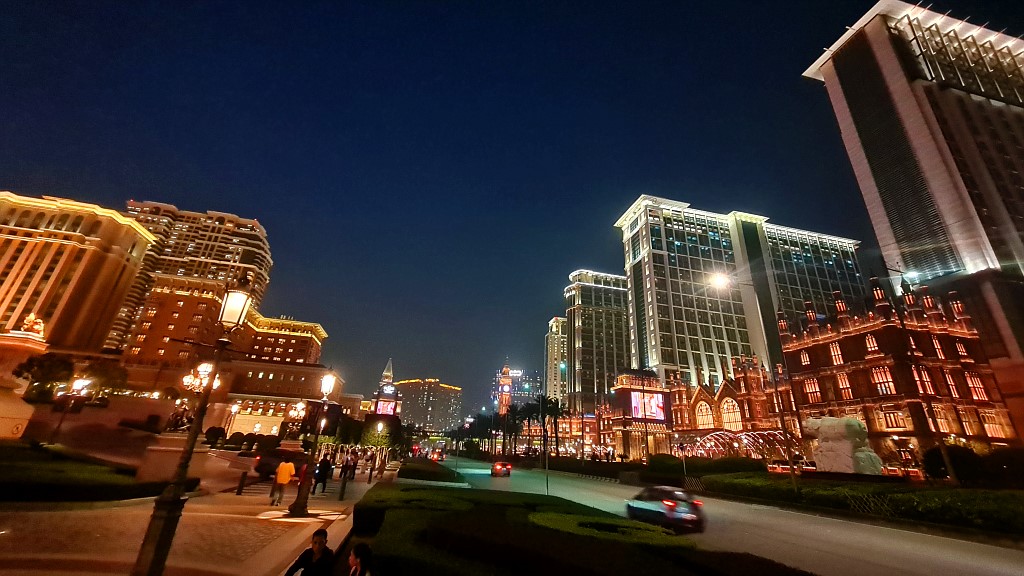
(219, 534)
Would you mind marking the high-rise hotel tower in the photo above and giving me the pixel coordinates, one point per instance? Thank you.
(931, 110)
(704, 288)
(597, 338)
(555, 360)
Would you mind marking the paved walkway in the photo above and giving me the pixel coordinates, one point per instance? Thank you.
(219, 534)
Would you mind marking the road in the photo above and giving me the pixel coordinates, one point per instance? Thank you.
(823, 545)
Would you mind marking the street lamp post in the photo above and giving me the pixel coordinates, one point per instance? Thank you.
(156, 545)
(231, 420)
(76, 387)
(299, 508)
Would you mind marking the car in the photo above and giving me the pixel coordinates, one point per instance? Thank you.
(266, 462)
(667, 506)
(501, 469)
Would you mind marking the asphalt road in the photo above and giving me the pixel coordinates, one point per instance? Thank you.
(823, 545)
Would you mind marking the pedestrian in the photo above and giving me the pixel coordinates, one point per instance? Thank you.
(360, 560)
(324, 471)
(283, 475)
(317, 560)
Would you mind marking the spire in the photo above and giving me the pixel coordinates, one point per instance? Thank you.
(388, 376)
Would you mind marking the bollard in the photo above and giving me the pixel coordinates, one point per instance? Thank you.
(241, 483)
(341, 489)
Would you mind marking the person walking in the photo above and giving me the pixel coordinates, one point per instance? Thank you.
(324, 472)
(283, 475)
(317, 560)
(360, 560)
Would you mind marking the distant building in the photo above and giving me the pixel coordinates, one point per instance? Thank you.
(703, 288)
(430, 404)
(351, 405)
(912, 384)
(931, 110)
(387, 399)
(597, 339)
(525, 386)
(555, 360)
(68, 265)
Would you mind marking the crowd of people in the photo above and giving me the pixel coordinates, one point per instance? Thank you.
(320, 560)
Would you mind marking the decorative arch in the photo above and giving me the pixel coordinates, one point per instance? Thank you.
(731, 418)
(705, 416)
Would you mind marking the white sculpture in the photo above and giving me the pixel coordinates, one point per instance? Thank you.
(842, 446)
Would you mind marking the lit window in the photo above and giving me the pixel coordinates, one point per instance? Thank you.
(837, 354)
(705, 418)
(731, 415)
(170, 326)
(894, 420)
(952, 385)
(991, 424)
(136, 350)
(940, 418)
(805, 359)
(871, 343)
(140, 338)
(181, 303)
(960, 348)
(166, 339)
(812, 391)
(923, 380)
(160, 352)
(146, 325)
(175, 314)
(977, 388)
(882, 379)
(938, 348)
(844, 386)
(183, 354)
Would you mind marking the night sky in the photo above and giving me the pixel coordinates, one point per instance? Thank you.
(429, 173)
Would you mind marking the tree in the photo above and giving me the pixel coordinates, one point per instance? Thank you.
(107, 374)
(966, 463)
(44, 373)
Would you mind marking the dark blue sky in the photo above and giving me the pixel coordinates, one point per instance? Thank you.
(430, 172)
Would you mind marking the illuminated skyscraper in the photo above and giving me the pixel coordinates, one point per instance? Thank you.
(597, 336)
(931, 110)
(430, 404)
(555, 360)
(703, 288)
(524, 385)
(211, 246)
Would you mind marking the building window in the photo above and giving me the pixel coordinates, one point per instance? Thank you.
(961, 349)
(812, 391)
(181, 303)
(175, 314)
(940, 418)
(871, 343)
(882, 379)
(731, 415)
(183, 354)
(135, 350)
(894, 420)
(844, 386)
(938, 347)
(977, 388)
(805, 358)
(837, 354)
(923, 380)
(146, 325)
(160, 352)
(991, 424)
(150, 312)
(952, 385)
(140, 338)
(705, 418)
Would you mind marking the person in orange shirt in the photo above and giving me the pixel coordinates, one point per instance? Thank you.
(285, 471)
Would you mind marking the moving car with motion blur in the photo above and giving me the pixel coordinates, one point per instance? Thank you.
(667, 506)
(501, 469)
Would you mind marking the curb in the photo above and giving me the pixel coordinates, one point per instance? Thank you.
(431, 483)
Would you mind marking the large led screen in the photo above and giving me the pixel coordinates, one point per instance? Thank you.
(386, 407)
(648, 405)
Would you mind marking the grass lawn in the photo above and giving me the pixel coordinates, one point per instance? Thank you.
(29, 474)
(999, 511)
(425, 469)
(428, 530)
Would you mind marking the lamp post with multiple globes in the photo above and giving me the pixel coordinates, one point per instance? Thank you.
(76, 387)
(156, 545)
(299, 508)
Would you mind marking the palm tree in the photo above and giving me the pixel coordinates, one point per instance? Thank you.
(553, 409)
(530, 411)
(513, 418)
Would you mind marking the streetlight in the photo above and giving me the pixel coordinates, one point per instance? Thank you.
(298, 507)
(231, 421)
(77, 386)
(156, 545)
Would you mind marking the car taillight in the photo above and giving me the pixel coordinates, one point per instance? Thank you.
(258, 458)
(669, 503)
(697, 503)
(497, 467)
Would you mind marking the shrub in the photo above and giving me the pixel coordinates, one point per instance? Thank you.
(619, 529)
(214, 434)
(235, 440)
(1005, 467)
(424, 469)
(249, 441)
(966, 463)
(665, 463)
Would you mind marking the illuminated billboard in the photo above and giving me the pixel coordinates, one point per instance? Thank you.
(648, 405)
(386, 407)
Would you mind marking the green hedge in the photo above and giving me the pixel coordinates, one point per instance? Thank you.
(424, 469)
(989, 510)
